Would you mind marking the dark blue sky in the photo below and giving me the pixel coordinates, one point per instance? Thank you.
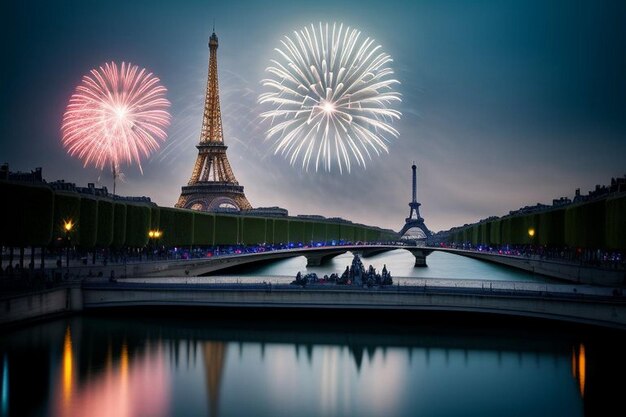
(505, 103)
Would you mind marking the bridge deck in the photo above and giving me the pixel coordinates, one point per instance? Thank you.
(600, 306)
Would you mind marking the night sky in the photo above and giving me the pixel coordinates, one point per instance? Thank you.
(505, 103)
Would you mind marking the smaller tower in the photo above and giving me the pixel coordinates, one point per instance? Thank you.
(415, 220)
(414, 204)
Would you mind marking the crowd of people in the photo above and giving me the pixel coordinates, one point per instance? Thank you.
(56, 260)
(589, 257)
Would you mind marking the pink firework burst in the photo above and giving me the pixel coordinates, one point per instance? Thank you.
(116, 115)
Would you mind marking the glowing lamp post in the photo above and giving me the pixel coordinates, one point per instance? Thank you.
(68, 225)
(153, 236)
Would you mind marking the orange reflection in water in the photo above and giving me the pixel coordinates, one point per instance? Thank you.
(67, 369)
(579, 367)
(137, 385)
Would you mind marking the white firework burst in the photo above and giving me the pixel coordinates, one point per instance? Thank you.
(331, 95)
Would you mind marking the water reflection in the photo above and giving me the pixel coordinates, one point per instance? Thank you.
(129, 387)
(67, 371)
(400, 262)
(214, 354)
(150, 367)
(579, 367)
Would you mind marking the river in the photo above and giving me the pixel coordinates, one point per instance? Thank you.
(154, 364)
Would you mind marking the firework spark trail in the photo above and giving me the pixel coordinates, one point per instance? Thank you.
(331, 97)
(116, 115)
(240, 116)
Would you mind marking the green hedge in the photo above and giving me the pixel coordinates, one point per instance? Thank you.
(475, 234)
(138, 223)
(333, 232)
(495, 232)
(585, 225)
(319, 232)
(372, 235)
(346, 232)
(359, 234)
(296, 231)
(506, 231)
(615, 227)
(465, 235)
(281, 231)
(203, 229)
(485, 233)
(226, 229)
(269, 230)
(518, 230)
(177, 226)
(155, 217)
(308, 232)
(105, 223)
(88, 223)
(253, 230)
(119, 224)
(551, 228)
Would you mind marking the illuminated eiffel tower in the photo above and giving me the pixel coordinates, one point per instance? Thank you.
(213, 184)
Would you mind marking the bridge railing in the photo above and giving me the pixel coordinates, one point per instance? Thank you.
(403, 284)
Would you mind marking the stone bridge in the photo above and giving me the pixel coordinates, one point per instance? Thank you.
(315, 256)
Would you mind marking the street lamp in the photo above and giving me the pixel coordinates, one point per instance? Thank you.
(153, 236)
(68, 225)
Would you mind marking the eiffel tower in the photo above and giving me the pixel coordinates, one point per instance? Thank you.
(212, 185)
(415, 221)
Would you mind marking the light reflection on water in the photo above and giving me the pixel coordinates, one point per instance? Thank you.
(128, 388)
(154, 367)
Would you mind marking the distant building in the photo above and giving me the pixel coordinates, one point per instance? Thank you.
(529, 209)
(311, 216)
(36, 177)
(618, 185)
(32, 176)
(563, 201)
(266, 212)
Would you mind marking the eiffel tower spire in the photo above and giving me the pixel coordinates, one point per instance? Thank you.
(212, 184)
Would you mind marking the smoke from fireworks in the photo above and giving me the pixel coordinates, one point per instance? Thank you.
(331, 94)
(116, 115)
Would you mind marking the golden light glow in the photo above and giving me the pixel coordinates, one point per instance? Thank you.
(131, 384)
(124, 362)
(531, 232)
(581, 369)
(155, 234)
(67, 367)
(68, 225)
